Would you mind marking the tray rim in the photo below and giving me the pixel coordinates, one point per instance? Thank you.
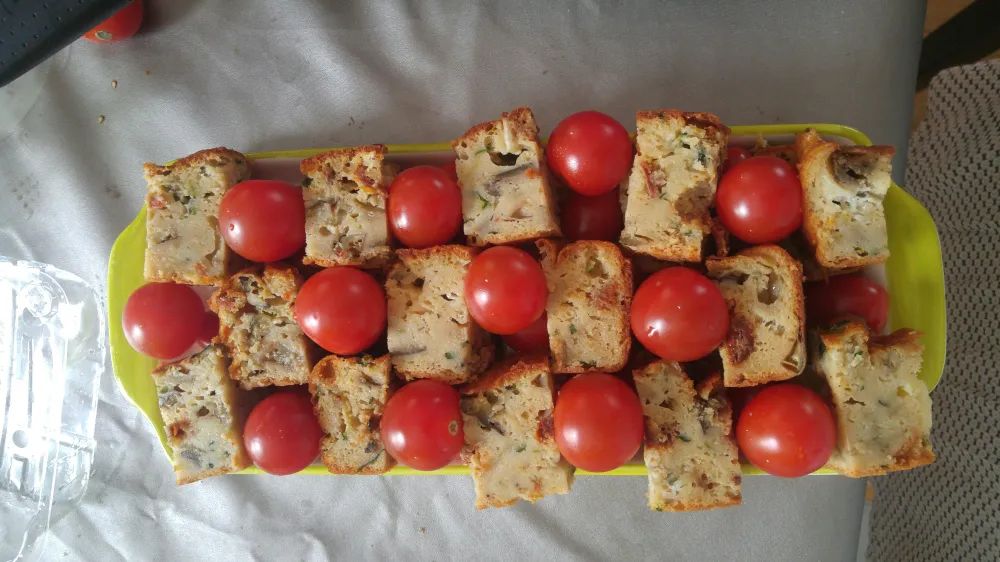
(923, 258)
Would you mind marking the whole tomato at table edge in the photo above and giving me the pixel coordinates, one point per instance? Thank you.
(596, 217)
(165, 321)
(760, 200)
(421, 426)
(281, 434)
(734, 155)
(787, 430)
(333, 295)
(425, 207)
(598, 422)
(263, 220)
(679, 314)
(120, 26)
(841, 295)
(590, 152)
(505, 290)
(534, 338)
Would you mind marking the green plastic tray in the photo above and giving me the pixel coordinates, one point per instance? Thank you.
(914, 275)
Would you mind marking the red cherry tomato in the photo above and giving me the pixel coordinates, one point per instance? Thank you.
(449, 168)
(422, 425)
(164, 320)
(531, 339)
(734, 155)
(342, 309)
(760, 200)
(679, 314)
(598, 422)
(425, 207)
(505, 290)
(209, 329)
(263, 220)
(847, 295)
(787, 430)
(282, 434)
(122, 25)
(590, 152)
(592, 218)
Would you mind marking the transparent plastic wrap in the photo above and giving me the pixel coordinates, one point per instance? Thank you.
(52, 356)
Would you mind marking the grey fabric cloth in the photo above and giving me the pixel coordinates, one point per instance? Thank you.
(950, 510)
(265, 75)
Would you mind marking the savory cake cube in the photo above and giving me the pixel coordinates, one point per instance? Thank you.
(767, 322)
(349, 395)
(256, 309)
(202, 415)
(183, 243)
(431, 334)
(506, 196)
(590, 295)
(345, 194)
(690, 451)
(843, 192)
(672, 183)
(509, 443)
(883, 409)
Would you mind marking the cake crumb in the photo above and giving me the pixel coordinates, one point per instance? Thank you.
(100, 119)
(114, 83)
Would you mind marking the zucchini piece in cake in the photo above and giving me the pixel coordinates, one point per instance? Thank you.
(690, 452)
(672, 184)
(345, 194)
(883, 409)
(183, 243)
(202, 415)
(506, 196)
(509, 442)
(843, 192)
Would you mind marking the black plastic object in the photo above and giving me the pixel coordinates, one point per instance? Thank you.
(33, 30)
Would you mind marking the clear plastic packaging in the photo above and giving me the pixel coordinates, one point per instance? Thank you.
(52, 356)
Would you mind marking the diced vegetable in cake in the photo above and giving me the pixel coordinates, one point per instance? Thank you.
(766, 339)
(431, 334)
(506, 195)
(672, 184)
(590, 294)
(349, 394)
(509, 443)
(202, 415)
(256, 309)
(883, 409)
(345, 193)
(690, 452)
(183, 243)
(844, 188)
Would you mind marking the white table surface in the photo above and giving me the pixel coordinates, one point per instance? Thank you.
(258, 75)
